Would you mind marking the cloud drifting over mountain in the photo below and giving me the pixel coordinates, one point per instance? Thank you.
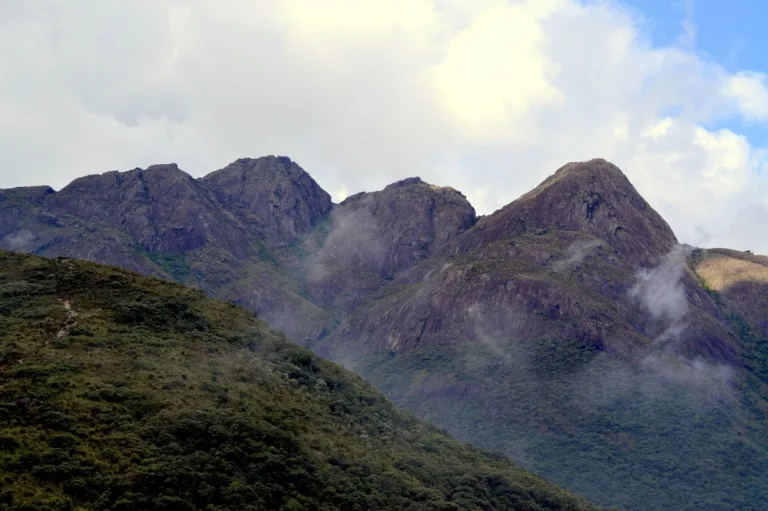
(488, 96)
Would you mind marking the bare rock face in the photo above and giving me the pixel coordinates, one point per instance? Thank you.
(375, 236)
(593, 197)
(396, 269)
(27, 224)
(162, 208)
(17, 206)
(221, 233)
(271, 196)
(563, 261)
(540, 287)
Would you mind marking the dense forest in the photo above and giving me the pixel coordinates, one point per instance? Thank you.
(122, 392)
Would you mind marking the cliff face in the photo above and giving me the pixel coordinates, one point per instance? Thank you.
(223, 233)
(271, 196)
(393, 269)
(592, 197)
(373, 237)
(162, 208)
(570, 320)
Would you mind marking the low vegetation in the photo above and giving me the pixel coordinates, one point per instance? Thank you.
(121, 392)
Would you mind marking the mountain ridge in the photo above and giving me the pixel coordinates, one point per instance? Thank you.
(593, 197)
(491, 327)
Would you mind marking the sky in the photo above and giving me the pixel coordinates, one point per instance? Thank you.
(487, 96)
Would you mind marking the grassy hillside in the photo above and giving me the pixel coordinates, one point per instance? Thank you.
(122, 392)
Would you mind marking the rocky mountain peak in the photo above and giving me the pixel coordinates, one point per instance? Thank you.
(165, 170)
(273, 195)
(594, 197)
(376, 235)
(595, 175)
(266, 164)
(162, 207)
(33, 194)
(405, 182)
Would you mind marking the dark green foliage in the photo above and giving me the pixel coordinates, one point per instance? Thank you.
(157, 398)
(640, 434)
(755, 349)
(175, 265)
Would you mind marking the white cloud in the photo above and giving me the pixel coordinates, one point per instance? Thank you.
(488, 96)
(495, 73)
(748, 91)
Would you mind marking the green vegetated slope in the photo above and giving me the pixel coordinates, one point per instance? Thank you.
(660, 427)
(667, 434)
(651, 429)
(122, 392)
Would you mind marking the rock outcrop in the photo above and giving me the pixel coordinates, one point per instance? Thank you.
(162, 208)
(375, 236)
(223, 233)
(271, 196)
(593, 197)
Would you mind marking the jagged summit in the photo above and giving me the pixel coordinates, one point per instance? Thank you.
(417, 181)
(162, 207)
(272, 194)
(163, 169)
(281, 159)
(35, 194)
(269, 163)
(594, 197)
(405, 182)
(379, 234)
(591, 171)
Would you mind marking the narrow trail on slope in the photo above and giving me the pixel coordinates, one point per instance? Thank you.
(69, 323)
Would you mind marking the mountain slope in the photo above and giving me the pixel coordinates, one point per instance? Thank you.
(124, 392)
(556, 332)
(232, 233)
(741, 279)
(373, 237)
(569, 329)
(593, 197)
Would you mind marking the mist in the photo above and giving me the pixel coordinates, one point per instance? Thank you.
(661, 292)
(576, 253)
(19, 241)
(351, 241)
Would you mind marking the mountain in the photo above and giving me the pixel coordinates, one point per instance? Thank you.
(592, 197)
(125, 392)
(376, 236)
(273, 197)
(540, 268)
(569, 329)
(221, 233)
